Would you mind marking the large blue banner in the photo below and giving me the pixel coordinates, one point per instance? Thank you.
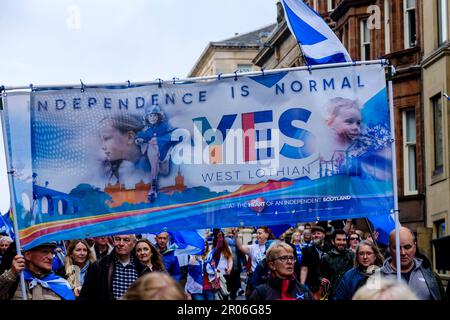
(251, 150)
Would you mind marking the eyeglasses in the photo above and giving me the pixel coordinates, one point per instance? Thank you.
(354, 238)
(285, 258)
(362, 254)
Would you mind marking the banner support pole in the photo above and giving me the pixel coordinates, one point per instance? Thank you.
(394, 180)
(10, 172)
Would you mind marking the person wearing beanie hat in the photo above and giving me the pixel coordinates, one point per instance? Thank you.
(40, 281)
(155, 140)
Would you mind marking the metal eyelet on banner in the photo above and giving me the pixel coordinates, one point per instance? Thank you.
(310, 69)
(219, 75)
(159, 82)
(82, 86)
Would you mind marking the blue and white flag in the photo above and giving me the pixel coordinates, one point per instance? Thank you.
(319, 43)
(383, 224)
(6, 225)
(446, 96)
(188, 242)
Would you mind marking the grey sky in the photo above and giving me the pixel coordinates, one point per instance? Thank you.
(103, 41)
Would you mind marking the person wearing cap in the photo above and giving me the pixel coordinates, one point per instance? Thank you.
(310, 269)
(40, 281)
(155, 141)
(168, 254)
(110, 277)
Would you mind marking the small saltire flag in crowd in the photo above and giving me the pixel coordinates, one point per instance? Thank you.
(446, 95)
(188, 242)
(318, 42)
(6, 225)
(383, 224)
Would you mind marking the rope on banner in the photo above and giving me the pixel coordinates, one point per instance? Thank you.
(175, 79)
(262, 71)
(310, 69)
(160, 81)
(219, 75)
(82, 86)
(31, 87)
(129, 83)
(235, 75)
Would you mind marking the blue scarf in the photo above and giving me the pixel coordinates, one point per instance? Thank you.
(51, 281)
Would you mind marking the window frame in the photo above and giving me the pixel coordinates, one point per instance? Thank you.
(442, 26)
(406, 147)
(363, 24)
(407, 31)
(437, 168)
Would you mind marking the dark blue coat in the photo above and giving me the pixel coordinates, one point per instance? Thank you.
(352, 280)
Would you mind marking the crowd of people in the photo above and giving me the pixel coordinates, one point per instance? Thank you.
(307, 262)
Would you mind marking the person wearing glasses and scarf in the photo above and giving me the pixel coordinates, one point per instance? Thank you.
(368, 259)
(282, 283)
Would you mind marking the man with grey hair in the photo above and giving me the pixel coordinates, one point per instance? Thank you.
(422, 281)
(110, 277)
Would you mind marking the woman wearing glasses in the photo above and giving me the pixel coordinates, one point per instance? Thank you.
(282, 283)
(368, 260)
(353, 241)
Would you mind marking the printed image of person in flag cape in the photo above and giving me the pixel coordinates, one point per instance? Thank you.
(155, 141)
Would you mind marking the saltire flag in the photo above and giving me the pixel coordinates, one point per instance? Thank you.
(6, 225)
(318, 42)
(446, 96)
(383, 224)
(188, 241)
(184, 241)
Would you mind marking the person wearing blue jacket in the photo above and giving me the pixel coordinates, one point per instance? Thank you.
(168, 254)
(368, 259)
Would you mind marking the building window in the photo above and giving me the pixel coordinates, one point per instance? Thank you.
(244, 67)
(331, 5)
(387, 27)
(315, 5)
(440, 228)
(442, 21)
(409, 151)
(365, 40)
(438, 135)
(410, 23)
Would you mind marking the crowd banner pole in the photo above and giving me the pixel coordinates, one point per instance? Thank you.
(371, 232)
(394, 181)
(215, 77)
(10, 172)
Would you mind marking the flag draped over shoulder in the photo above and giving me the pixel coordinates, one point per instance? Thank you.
(318, 42)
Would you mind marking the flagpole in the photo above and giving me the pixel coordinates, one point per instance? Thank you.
(10, 172)
(394, 177)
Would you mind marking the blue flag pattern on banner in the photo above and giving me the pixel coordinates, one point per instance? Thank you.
(318, 42)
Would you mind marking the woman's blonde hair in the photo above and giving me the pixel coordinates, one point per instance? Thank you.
(379, 287)
(155, 286)
(275, 248)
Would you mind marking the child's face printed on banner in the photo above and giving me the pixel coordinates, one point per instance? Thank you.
(115, 144)
(153, 118)
(347, 123)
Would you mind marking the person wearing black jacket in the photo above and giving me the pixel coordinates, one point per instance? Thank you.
(310, 269)
(110, 277)
(282, 283)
